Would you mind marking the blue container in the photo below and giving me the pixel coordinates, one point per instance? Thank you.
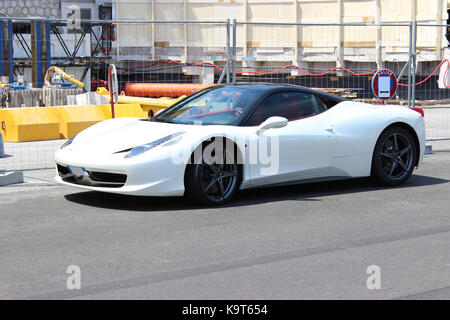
(17, 87)
(68, 85)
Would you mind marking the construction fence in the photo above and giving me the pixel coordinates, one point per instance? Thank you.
(153, 58)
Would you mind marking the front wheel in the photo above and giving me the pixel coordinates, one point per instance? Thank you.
(215, 179)
(394, 157)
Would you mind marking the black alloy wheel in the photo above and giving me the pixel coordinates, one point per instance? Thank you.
(395, 156)
(215, 180)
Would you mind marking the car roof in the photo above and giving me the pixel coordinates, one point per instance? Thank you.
(267, 88)
(259, 85)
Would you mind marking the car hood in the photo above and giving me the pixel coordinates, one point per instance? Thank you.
(114, 136)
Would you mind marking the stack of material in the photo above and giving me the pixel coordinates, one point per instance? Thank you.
(88, 98)
(344, 93)
(45, 97)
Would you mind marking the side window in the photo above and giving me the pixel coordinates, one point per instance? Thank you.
(327, 103)
(290, 105)
(322, 105)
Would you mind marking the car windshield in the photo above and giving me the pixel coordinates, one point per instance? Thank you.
(222, 105)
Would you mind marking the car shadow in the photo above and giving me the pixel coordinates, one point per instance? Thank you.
(299, 192)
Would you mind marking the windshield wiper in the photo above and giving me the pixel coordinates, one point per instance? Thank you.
(163, 120)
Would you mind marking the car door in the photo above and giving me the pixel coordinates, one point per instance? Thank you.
(301, 150)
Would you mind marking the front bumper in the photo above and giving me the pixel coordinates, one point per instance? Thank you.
(81, 176)
(143, 176)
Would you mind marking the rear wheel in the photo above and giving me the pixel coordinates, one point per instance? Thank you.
(394, 157)
(215, 179)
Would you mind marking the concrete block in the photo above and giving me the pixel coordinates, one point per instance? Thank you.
(89, 98)
(10, 177)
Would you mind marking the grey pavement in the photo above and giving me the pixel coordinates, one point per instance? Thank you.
(30, 155)
(312, 241)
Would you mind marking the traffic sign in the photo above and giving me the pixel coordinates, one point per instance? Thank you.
(384, 84)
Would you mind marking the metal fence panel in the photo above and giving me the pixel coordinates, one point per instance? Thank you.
(143, 51)
(432, 89)
(338, 58)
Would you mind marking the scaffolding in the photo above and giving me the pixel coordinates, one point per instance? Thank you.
(37, 50)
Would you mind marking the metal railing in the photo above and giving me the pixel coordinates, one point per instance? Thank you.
(338, 58)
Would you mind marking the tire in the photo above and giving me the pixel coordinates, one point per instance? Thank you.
(394, 157)
(212, 182)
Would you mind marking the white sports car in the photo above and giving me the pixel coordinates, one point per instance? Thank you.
(230, 137)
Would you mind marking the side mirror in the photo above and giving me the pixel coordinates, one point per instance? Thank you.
(272, 123)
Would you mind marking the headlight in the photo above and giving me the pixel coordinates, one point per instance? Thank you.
(145, 147)
(68, 142)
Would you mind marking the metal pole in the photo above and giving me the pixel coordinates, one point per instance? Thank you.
(409, 64)
(38, 54)
(2, 60)
(10, 52)
(111, 93)
(413, 92)
(234, 50)
(223, 74)
(113, 87)
(48, 44)
(227, 66)
(400, 75)
(185, 32)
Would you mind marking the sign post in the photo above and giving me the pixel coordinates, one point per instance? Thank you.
(113, 87)
(384, 84)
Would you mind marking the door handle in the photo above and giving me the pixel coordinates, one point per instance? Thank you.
(330, 129)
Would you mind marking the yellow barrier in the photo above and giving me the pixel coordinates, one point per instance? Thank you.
(155, 104)
(48, 123)
(78, 118)
(29, 124)
(148, 104)
(35, 124)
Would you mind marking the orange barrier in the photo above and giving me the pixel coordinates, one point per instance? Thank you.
(155, 90)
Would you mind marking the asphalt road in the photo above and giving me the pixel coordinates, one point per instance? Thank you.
(311, 241)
